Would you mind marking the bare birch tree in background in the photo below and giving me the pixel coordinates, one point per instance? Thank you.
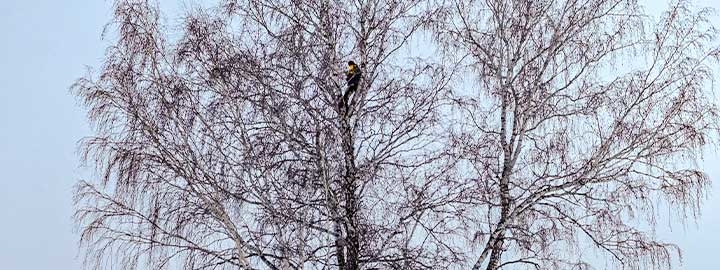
(583, 121)
(220, 143)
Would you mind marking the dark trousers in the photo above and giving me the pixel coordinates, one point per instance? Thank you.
(351, 88)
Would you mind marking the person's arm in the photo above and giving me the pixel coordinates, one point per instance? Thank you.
(349, 74)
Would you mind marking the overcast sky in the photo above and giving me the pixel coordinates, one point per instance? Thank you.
(44, 46)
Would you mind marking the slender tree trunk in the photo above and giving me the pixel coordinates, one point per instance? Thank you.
(499, 242)
(352, 204)
(352, 240)
(497, 239)
(339, 246)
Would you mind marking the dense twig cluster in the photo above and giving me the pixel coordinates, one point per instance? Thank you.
(224, 147)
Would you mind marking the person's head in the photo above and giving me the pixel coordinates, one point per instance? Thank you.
(351, 63)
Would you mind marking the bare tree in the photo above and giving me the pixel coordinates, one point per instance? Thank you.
(222, 145)
(582, 122)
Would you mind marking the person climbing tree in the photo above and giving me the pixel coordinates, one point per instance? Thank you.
(352, 77)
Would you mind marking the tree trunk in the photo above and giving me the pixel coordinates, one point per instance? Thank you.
(352, 239)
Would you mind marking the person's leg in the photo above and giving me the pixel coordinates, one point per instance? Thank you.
(350, 90)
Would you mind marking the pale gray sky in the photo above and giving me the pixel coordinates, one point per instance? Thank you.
(44, 46)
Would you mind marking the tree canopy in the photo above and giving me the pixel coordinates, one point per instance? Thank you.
(484, 134)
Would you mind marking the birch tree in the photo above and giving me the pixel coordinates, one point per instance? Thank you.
(220, 143)
(584, 120)
(525, 135)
